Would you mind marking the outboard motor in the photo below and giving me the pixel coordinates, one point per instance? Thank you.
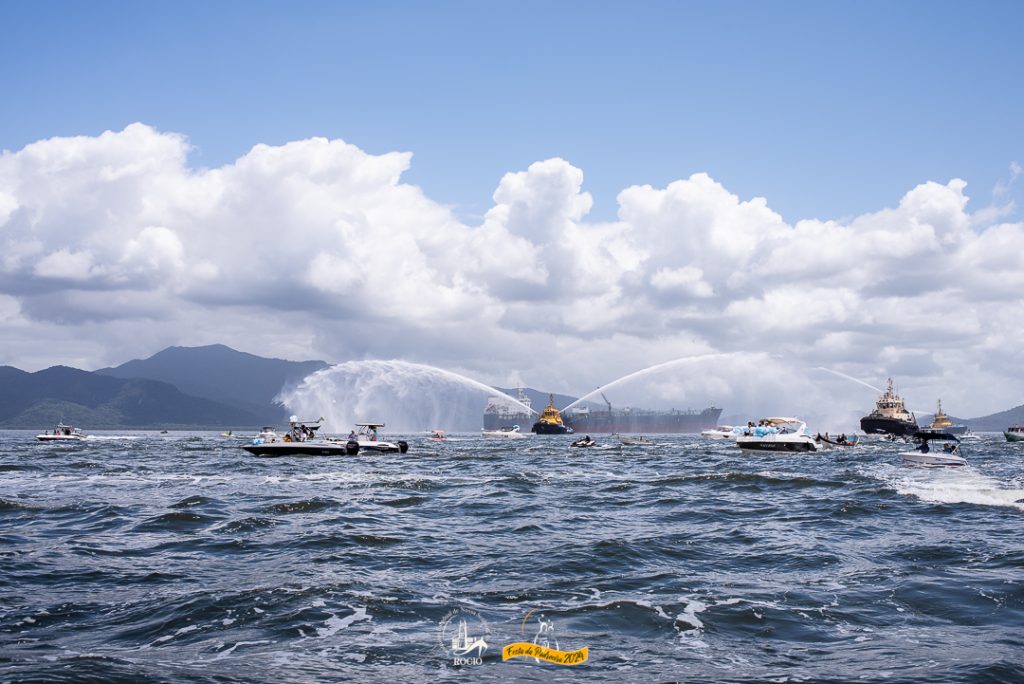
(403, 446)
(351, 447)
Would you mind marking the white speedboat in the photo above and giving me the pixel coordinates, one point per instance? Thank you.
(777, 434)
(505, 432)
(634, 440)
(366, 436)
(719, 432)
(62, 433)
(300, 440)
(933, 456)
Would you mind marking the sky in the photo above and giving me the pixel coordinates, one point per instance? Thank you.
(553, 194)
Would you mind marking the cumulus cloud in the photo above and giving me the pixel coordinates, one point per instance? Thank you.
(316, 248)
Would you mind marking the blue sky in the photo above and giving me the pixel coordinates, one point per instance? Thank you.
(581, 200)
(827, 109)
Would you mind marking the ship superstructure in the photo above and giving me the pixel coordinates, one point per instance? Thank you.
(630, 420)
(890, 416)
(550, 421)
(500, 412)
(942, 423)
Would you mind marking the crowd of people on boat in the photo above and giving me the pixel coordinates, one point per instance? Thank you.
(841, 439)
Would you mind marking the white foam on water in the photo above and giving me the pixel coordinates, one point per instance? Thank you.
(224, 654)
(183, 630)
(647, 604)
(689, 614)
(955, 486)
(335, 624)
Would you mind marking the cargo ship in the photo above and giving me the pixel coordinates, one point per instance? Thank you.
(498, 414)
(890, 417)
(643, 421)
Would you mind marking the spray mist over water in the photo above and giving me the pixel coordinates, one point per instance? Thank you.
(407, 397)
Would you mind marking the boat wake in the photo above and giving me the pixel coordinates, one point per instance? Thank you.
(956, 486)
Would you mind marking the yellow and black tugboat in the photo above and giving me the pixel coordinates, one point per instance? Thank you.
(942, 423)
(550, 421)
(890, 417)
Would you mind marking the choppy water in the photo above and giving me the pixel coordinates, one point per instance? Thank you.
(182, 558)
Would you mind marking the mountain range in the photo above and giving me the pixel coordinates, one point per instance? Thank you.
(179, 387)
(207, 387)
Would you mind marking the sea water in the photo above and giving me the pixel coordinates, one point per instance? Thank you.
(181, 558)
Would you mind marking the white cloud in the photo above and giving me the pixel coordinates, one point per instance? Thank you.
(316, 248)
(688, 280)
(65, 264)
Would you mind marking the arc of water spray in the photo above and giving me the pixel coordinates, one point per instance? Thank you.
(476, 383)
(859, 382)
(434, 370)
(848, 377)
(643, 371)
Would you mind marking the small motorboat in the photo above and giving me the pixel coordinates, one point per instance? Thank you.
(511, 432)
(366, 436)
(720, 432)
(300, 440)
(842, 440)
(437, 435)
(931, 457)
(777, 434)
(634, 440)
(584, 442)
(1014, 433)
(62, 433)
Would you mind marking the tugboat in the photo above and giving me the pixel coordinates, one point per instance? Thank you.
(889, 417)
(942, 423)
(550, 422)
